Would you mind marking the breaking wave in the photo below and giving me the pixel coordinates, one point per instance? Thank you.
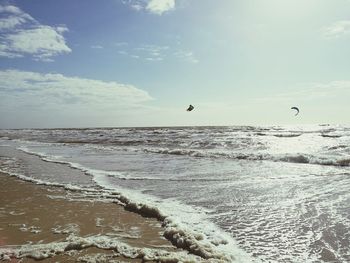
(290, 158)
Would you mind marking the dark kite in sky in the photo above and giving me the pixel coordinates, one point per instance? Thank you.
(190, 108)
(295, 108)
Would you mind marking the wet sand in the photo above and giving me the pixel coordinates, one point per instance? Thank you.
(35, 214)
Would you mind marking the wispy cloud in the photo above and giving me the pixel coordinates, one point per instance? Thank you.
(151, 52)
(145, 52)
(137, 6)
(156, 53)
(97, 47)
(21, 35)
(157, 7)
(23, 88)
(309, 91)
(337, 29)
(121, 44)
(187, 56)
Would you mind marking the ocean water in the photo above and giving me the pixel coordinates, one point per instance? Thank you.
(235, 194)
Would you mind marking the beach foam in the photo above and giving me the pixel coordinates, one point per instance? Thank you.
(73, 242)
(184, 226)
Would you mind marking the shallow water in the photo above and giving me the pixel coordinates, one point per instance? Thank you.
(281, 193)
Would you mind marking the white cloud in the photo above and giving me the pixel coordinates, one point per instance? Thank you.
(10, 9)
(338, 29)
(36, 90)
(11, 22)
(136, 6)
(160, 6)
(157, 53)
(22, 35)
(157, 7)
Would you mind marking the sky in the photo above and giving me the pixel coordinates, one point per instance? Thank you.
(118, 63)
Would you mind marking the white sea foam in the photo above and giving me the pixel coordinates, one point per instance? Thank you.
(185, 227)
(291, 158)
(73, 242)
(66, 229)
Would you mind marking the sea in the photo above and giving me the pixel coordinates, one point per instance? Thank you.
(224, 193)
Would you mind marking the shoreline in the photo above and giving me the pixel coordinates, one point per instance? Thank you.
(44, 218)
(193, 238)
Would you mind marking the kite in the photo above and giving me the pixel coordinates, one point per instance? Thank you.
(190, 108)
(295, 108)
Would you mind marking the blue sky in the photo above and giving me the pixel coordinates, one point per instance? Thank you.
(87, 63)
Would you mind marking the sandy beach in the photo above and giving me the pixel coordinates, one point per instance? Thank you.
(34, 214)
